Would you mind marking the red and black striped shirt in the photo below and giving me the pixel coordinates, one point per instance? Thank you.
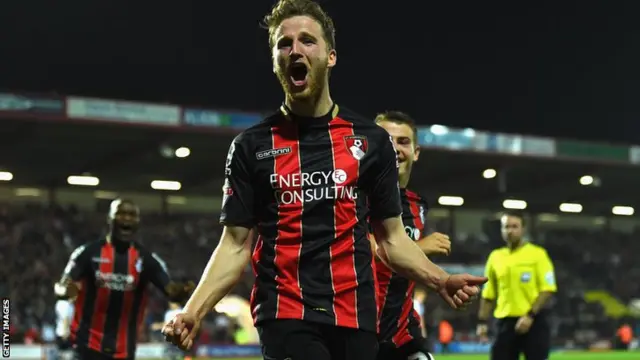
(113, 294)
(304, 183)
(399, 322)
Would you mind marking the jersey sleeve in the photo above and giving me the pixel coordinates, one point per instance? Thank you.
(79, 264)
(489, 289)
(545, 273)
(155, 269)
(382, 185)
(238, 193)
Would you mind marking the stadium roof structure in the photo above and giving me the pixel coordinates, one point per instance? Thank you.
(128, 158)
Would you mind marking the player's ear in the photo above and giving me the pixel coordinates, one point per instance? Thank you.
(332, 58)
(416, 153)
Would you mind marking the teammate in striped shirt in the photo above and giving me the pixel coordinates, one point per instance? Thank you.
(400, 326)
(110, 278)
(307, 177)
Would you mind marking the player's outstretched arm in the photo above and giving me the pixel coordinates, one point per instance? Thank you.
(403, 255)
(397, 250)
(225, 267)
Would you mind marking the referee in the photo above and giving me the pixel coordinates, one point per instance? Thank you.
(521, 281)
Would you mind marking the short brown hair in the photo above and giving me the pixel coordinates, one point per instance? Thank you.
(399, 117)
(285, 9)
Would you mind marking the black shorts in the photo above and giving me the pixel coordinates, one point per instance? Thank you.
(82, 353)
(535, 344)
(63, 344)
(416, 349)
(304, 340)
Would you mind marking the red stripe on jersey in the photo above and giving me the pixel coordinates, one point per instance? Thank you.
(383, 274)
(102, 299)
(403, 336)
(255, 258)
(343, 272)
(127, 305)
(79, 306)
(288, 242)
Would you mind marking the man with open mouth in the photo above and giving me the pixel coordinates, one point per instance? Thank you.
(307, 178)
(109, 279)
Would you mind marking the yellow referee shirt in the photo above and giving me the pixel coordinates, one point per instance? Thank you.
(516, 278)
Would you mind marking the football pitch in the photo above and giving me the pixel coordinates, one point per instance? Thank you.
(555, 356)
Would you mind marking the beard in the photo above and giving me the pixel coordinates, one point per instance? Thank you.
(315, 80)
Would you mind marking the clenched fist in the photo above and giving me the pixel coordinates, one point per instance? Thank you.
(461, 289)
(181, 331)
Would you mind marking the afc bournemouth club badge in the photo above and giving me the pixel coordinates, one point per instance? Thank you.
(357, 146)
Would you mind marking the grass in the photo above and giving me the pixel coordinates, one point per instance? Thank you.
(555, 356)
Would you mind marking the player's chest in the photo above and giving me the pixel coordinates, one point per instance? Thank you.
(312, 166)
(117, 272)
(515, 270)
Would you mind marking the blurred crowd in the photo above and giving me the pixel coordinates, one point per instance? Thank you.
(36, 240)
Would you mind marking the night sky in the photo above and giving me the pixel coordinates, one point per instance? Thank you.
(563, 68)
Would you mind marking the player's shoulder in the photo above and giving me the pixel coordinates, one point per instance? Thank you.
(361, 124)
(148, 255)
(88, 248)
(144, 252)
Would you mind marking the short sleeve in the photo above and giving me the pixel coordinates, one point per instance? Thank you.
(238, 195)
(545, 273)
(489, 288)
(155, 269)
(383, 188)
(79, 264)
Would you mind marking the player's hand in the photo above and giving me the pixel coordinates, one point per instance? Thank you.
(437, 244)
(181, 331)
(461, 289)
(483, 332)
(524, 324)
(67, 288)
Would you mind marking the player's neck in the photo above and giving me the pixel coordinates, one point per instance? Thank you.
(403, 181)
(116, 242)
(312, 107)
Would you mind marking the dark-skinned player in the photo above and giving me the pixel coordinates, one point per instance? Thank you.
(110, 278)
